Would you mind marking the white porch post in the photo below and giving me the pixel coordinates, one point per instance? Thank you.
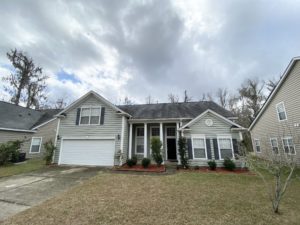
(161, 139)
(145, 140)
(177, 138)
(130, 140)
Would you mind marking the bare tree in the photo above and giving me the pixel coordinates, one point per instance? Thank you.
(127, 101)
(186, 97)
(173, 98)
(206, 97)
(149, 99)
(223, 97)
(271, 84)
(26, 82)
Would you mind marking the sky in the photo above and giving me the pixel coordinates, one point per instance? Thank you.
(141, 48)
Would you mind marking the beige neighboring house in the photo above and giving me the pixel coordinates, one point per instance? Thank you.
(277, 126)
(33, 127)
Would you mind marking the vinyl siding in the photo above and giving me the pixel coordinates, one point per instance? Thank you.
(268, 126)
(111, 128)
(47, 132)
(219, 127)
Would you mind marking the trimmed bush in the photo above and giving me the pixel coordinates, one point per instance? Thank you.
(182, 149)
(229, 164)
(134, 160)
(156, 150)
(50, 148)
(146, 162)
(9, 151)
(212, 165)
(196, 167)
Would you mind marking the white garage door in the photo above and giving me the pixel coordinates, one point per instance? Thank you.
(88, 152)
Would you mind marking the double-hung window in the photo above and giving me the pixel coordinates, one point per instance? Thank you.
(281, 111)
(90, 116)
(199, 147)
(139, 140)
(274, 145)
(225, 147)
(257, 145)
(288, 145)
(36, 143)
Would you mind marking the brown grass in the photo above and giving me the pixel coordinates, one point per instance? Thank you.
(183, 198)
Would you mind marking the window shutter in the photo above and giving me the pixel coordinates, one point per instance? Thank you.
(216, 149)
(102, 115)
(189, 147)
(235, 147)
(208, 148)
(78, 116)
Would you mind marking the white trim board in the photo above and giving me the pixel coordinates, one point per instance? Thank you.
(44, 123)
(214, 113)
(17, 130)
(273, 93)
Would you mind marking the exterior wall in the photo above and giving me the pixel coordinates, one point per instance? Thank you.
(218, 128)
(46, 132)
(112, 126)
(268, 126)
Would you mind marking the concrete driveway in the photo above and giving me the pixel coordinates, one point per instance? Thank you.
(23, 191)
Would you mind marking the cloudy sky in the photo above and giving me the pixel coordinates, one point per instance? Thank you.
(140, 48)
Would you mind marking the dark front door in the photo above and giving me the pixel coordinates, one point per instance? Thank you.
(171, 147)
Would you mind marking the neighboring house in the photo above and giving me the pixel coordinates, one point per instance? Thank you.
(93, 131)
(277, 126)
(31, 126)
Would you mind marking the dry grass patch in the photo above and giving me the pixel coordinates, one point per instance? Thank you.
(183, 198)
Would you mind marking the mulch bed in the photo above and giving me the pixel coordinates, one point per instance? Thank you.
(218, 170)
(140, 168)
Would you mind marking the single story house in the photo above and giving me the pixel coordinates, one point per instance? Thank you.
(93, 131)
(276, 128)
(32, 127)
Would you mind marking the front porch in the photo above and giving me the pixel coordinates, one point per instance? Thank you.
(140, 134)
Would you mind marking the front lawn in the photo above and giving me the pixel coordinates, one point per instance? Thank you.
(183, 198)
(27, 166)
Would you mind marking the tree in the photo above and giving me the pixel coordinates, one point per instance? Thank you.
(252, 96)
(271, 84)
(127, 101)
(27, 83)
(149, 99)
(186, 97)
(223, 97)
(173, 98)
(206, 97)
(156, 150)
(182, 150)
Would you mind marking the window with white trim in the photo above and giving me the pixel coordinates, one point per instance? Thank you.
(139, 140)
(90, 116)
(281, 111)
(225, 147)
(154, 131)
(199, 148)
(274, 145)
(257, 145)
(171, 131)
(36, 143)
(288, 145)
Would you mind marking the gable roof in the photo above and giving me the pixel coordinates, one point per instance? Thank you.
(82, 98)
(214, 113)
(13, 117)
(182, 110)
(275, 90)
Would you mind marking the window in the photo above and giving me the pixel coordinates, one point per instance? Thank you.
(257, 145)
(199, 148)
(154, 131)
(35, 145)
(274, 145)
(139, 140)
(281, 111)
(90, 116)
(288, 145)
(171, 131)
(225, 147)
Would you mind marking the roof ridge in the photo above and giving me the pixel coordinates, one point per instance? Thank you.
(167, 103)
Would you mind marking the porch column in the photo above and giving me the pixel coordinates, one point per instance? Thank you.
(130, 141)
(145, 140)
(162, 140)
(177, 138)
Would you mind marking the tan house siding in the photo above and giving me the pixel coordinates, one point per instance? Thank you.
(268, 126)
(6, 136)
(111, 128)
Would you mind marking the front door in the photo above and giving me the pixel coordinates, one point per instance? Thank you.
(171, 148)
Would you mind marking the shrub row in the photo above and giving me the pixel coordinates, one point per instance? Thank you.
(9, 151)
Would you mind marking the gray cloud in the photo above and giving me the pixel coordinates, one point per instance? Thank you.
(137, 48)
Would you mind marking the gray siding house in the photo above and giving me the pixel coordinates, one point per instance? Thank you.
(30, 126)
(277, 126)
(93, 131)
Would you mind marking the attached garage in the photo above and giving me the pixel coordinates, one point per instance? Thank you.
(90, 152)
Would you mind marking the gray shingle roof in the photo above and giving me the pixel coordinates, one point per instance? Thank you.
(18, 117)
(173, 110)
